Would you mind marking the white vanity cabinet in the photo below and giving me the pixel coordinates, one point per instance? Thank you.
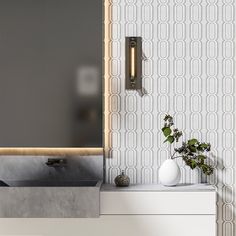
(153, 210)
(139, 210)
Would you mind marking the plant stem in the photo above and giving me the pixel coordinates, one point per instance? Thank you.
(170, 151)
(176, 157)
(172, 156)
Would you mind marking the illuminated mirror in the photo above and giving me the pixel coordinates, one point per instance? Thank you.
(51, 74)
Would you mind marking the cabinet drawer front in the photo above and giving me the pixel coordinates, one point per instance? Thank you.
(114, 225)
(141, 203)
(156, 225)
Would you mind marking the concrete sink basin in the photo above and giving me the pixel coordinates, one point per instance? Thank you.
(44, 183)
(49, 199)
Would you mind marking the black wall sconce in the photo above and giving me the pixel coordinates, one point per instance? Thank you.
(133, 61)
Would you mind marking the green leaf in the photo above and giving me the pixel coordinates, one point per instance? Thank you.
(193, 164)
(200, 149)
(170, 139)
(204, 145)
(166, 131)
(201, 157)
(192, 141)
(192, 149)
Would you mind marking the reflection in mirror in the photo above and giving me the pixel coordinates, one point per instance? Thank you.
(51, 73)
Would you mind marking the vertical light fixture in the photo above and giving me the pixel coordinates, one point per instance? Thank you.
(133, 61)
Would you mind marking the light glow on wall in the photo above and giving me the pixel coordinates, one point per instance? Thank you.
(106, 78)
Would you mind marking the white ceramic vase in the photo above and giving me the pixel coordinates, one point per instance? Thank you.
(169, 173)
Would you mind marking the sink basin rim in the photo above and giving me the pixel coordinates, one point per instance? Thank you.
(46, 183)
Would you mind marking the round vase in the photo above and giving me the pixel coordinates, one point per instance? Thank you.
(122, 180)
(169, 173)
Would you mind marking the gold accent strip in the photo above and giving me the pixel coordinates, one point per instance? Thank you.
(51, 151)
(106, 76)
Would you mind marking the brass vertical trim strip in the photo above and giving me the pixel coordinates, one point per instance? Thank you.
(106, 76)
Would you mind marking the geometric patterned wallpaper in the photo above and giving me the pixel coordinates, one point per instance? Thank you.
(189, 73)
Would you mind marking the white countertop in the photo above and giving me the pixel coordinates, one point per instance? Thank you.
(158, 187)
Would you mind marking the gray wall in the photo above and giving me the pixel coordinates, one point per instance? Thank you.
(42, 45)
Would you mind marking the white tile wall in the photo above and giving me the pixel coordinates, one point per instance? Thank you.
(189, 74)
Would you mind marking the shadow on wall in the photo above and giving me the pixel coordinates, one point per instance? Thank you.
(225, 197)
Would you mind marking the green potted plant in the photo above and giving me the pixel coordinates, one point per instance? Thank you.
(192, 152)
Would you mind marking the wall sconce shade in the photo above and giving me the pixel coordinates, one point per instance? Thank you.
(133, 61)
